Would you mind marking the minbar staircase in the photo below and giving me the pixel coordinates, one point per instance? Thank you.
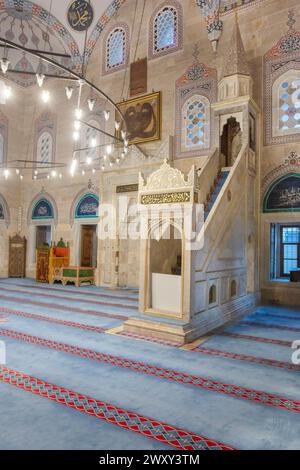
(215, 191)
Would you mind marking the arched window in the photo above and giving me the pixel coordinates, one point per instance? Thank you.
(45, 134)
(195, 118)
(282, 90)
(116, 48)
(212, 295)
(1, 149)
(233, 289)
(166, 29)
(45, 148)
(91, 140)
(286, 104)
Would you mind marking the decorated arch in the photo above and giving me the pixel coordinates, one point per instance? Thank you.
(4, 211)
(283, 195)
(85, 206)
(43, 207)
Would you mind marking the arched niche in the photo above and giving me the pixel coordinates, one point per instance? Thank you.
(4, 211)
(231, 141)
(84, 218)
(165, 268)
(42, 218)
(283, 195)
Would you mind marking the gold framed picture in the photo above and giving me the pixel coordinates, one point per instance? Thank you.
(143, 118)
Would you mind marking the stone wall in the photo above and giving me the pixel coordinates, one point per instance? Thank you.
(262, 24)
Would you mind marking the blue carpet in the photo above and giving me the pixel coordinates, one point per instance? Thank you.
(32, 422)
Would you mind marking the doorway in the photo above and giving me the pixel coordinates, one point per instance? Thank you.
(89, 246)
(231, 142)
(43, 236)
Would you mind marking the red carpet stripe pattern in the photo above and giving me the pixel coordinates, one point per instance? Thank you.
(242, 357)
(73, 292)
(258, 339)
(71, 324)
(86, 301)
(64, 308)
(162, 432)
(270, 325)
(263, 398)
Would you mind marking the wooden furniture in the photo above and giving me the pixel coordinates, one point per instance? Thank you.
(78, 275)
(59, 257)
(17, 256)
(42, 264)
(295, 275)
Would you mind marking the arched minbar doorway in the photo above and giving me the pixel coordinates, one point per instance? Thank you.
(165, 269)
(84, 220)
(231, 141)
(42, 220)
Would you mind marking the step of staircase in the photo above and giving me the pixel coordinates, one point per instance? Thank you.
(221, 181)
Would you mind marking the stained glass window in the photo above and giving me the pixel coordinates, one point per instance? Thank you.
(195, 123)
(289, 105)
(166, 29)
(44, 148)
(116, 48)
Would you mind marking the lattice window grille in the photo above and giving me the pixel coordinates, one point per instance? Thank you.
(166, 29)
(116, 49)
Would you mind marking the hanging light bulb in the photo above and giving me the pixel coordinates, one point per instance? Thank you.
(125, 150)
(53, 174)
(48, 177)
(104, 157)
(7, 91)
(106, 115)
(93, 171)
(126, 143)
(103, 168)
(40, 77)
(4, 64)
(110, 164)
(123, 134)
(78, 113)
(123, 155)
(94, 142)
(118, 160)
(6, 173)
(34, 177)
(69, 92)
(83, 172)
(45, 96)
(91, 104)
(88, 160)
(21, 177)
(109, 149)
(17, 171)
(35, 172)
(60, 176)
(77, 125)
(117, 125)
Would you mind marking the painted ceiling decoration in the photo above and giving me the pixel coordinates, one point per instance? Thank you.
(212, 10)
(74, 29)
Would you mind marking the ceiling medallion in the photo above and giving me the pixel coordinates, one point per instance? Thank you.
(80, 15)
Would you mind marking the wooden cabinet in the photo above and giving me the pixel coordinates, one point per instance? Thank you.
(17, 256)
(42, 264)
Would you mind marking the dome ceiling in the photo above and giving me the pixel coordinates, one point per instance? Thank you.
(63, 26)
(45, 25)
